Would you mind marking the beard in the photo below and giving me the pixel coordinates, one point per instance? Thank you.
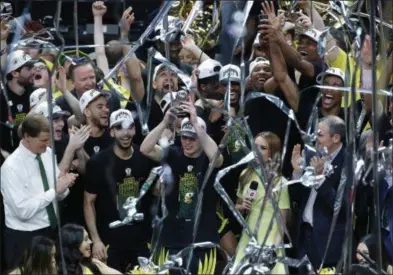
(119, 144)
(97, 121)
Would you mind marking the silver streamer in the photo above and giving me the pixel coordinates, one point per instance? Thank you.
(163, 11)
(131, 203)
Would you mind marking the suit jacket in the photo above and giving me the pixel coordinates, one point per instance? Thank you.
(323, 214)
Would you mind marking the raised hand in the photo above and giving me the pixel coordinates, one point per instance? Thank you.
(319, 165)
(296, 158)
(187, 42)
(268, 9)
(78, 137)
(126, 20)
(304, 22)
(98, 8)
(61, 83)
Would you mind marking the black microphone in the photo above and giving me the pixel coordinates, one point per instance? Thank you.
(252, 191)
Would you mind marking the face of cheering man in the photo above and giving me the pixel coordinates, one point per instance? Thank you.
(234, 93)
(191, 146)
(259, 75)
(40, 75)
(83, 78)
(326, 139)
(36, 133)
(165, 81)
(307, 48)
(123, 133)
(97, 112)
(330, 98)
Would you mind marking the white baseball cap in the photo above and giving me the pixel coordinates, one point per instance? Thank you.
(90, 96)
(123, 117)
(43, 109)
(37, 96)
(257, 61)
(331, 71)
(187, 129)
(208, 68)
(158, 69)
(17, 59)
(314, 34)
(230, 72)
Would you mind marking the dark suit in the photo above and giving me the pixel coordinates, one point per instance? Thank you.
(312, 240)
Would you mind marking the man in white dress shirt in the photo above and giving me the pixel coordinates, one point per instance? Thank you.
(29, 190)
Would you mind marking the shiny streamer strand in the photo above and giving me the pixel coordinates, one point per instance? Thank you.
(163, 11)
(50, 116)
(198, 208)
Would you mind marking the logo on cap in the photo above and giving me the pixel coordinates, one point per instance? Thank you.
(187, 126)
(230, 72)
(122, 115)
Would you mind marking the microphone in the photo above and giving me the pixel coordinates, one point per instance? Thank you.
(252, 191)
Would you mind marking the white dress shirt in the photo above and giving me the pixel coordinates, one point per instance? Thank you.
(24, 198)
(309, 210)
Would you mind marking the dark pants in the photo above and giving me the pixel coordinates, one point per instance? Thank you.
(15, 243)
(124, 259)
(307, 247)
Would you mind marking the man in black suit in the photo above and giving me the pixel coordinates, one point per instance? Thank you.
(317, 203)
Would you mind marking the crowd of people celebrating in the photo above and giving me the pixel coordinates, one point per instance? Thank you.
(103, 170)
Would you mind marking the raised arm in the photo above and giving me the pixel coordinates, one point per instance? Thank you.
(72, 101)
(317, 22)
(99, 9)
(292, 57)
(280, 71)
(149, 145)
(188, 43)
(208, 144)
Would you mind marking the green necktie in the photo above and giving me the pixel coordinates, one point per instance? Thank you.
(50, 209)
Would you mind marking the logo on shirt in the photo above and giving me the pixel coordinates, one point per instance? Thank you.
(96, 149)
(19, 107)
(189, 168)
(128, 172)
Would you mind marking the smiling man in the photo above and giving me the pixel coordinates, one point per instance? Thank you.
(94, 106)
(112, 176)
(29, 189)
(189, 164)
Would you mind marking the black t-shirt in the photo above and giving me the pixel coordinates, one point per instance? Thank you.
(113, 102)
(114, 180)
(94, 145)
(182, 200)
(156, 116)
(60, 147)
(265, 116)
(307, 97)
(20, 106)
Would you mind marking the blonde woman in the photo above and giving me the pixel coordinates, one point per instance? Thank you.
(269, 145)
